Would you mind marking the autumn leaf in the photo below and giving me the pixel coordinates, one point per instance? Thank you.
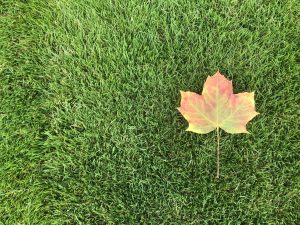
(217, 107)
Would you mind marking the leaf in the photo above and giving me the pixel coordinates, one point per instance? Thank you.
(217, 107)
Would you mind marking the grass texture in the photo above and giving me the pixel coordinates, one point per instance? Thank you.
(89, 131)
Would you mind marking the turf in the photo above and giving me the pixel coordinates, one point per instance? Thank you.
(89, 132)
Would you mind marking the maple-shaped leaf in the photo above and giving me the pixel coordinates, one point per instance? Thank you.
(217, 107)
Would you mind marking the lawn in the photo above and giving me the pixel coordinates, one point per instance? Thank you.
(89, 131)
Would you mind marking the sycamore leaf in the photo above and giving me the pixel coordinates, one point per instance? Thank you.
(217, 107)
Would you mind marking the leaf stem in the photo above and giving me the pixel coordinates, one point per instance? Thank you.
(218, 153)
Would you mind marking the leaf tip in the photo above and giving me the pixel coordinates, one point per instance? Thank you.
(188, 128)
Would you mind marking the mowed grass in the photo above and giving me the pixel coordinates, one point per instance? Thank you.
(89, 131)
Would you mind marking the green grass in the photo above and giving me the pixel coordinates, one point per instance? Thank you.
(89, 131)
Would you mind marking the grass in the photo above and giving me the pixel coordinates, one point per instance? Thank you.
(89, 132)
